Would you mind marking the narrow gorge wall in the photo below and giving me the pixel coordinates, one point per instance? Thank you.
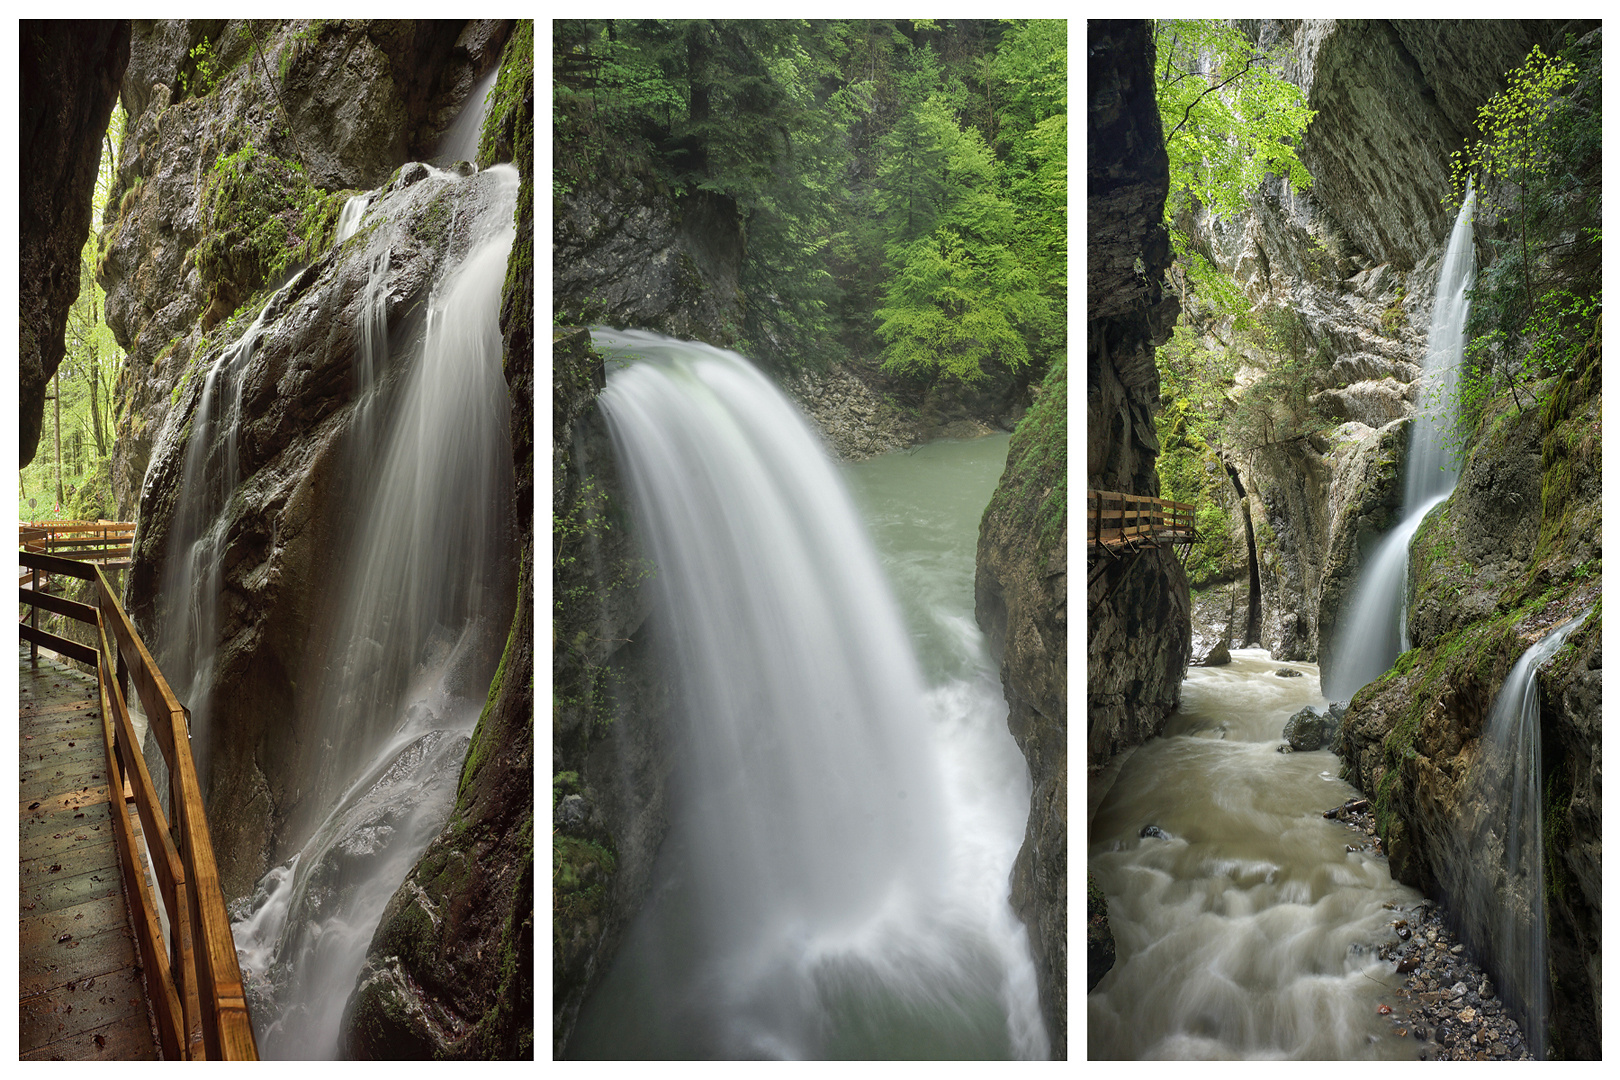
(1021, 601)
(471, 894)
(1138, 630)
(244, 141)
(1356, 257)
(1514, 551)
(70, 76)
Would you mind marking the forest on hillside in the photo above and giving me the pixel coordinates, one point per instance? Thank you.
(901, 183)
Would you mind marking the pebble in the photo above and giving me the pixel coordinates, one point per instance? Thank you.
(1436, 1005)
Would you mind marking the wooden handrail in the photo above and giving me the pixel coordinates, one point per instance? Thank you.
(195, 981)
(1115, 519)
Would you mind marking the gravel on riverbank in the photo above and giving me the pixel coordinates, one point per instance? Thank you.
(1448, 1004)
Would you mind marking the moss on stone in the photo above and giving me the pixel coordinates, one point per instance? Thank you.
(1033, 494)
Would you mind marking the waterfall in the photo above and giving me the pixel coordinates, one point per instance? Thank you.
(1495, 861)
(1373, 634)
(193, 561)
(426, 599)
(811, 891)
(460, 139)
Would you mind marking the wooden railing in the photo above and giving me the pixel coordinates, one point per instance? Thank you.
(1116, 521)
(193, 980)
(96, 541)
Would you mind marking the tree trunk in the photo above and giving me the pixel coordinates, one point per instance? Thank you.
(95, 401)
(57, 379)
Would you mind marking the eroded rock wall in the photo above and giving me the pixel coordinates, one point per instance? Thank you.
(1021, 601)
(297, 111)
(1356, 257)
(610, 700)
(1138, 629)
(449, 973)
(1514, 553)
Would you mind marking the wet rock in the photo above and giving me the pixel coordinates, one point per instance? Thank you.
(1154, 832)
(1310, 729)
(1218, 656)
(1289, 673)
(1100, 952)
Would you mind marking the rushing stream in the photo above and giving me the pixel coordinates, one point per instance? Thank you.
(1244, 927)
(847, 802)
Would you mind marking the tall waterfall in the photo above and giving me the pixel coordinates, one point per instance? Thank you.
(1373, 634)
(818, 889)
(1494, 865)
(193, 565)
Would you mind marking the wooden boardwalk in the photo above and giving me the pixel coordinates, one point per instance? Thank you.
(82, 994)
(1117, 522)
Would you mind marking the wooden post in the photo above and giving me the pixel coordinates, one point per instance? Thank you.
(33, 616)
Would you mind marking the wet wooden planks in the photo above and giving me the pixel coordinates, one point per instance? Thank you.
(81, 992)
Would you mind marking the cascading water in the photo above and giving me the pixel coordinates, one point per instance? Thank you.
(427, 598)
(1246, 924)
(192, 569)
(1495, 861)
(1373, 633)
(826, 888)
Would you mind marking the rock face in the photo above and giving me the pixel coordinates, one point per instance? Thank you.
(168, 287)
(610, 698)
(220, 195)
(863, 411)
(1356, 258)
(1021, 593)
(627, 253)
(449, 970)
(1138, 608)
(1493, 570)
(69, 83)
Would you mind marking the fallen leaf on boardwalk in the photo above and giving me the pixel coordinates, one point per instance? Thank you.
(1384, 1010)
(101, 1040)
(33, 806)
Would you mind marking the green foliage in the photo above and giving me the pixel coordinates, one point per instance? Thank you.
(203, 76)
(902, 183)
(265, 217)
(1537, 163)
(1394, 315)
(512, 93)
(58, 486)
(977, 250)
(1033, 494)
(1229, 120)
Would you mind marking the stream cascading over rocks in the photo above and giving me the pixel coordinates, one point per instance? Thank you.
(1247, 925)
(823, 889)
(425, 598)
(1374, 634)
(1493, 869)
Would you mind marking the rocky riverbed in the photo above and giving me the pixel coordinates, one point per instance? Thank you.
(1447, 1004)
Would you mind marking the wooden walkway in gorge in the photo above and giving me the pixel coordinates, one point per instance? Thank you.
(82, 994)
(125, 950)
(1117, 523)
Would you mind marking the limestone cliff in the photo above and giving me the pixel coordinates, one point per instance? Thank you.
(69, 84)
(1356, 258)
(1513, 553)
(610, 767)
(1138, 611)
(1021, 601)
(243, 143)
